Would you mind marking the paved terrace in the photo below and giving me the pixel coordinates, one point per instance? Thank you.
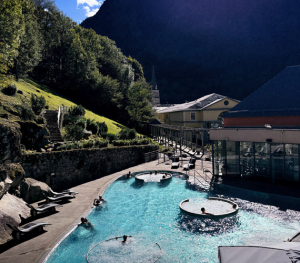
(36, 248)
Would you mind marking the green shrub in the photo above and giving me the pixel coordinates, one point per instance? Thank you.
(100, 143)
(37, 103)
(131, 134)
(69, 119)
(40, 120)
(130, 142)
(77, 111)
(27, 113)
(87, 144)
(127, 133)
(102, 128)
(10, 90)
(81, 122)
(109, 136)
(92, 126)
(74, 132)
(84, 144)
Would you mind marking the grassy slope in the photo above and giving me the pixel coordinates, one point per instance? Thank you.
(53, 99)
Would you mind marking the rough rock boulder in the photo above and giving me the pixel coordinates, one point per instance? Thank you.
(34, 136)
(10, 138)
(10, 177)
(33, 191)
(11, 208)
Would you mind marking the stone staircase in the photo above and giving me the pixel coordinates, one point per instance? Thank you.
(51, 118)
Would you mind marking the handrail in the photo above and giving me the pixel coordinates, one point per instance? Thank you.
(58, 117)
(195, 178)
(201, 176)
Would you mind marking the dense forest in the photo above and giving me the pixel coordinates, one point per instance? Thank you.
(198, 47)
(39, 41)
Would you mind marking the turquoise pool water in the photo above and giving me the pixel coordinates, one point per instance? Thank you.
(150, 213)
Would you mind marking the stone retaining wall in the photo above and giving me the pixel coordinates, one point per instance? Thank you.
(61, 170)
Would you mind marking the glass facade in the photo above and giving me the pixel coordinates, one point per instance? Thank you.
(269, 160)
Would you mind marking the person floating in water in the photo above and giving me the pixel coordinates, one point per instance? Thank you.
(124, 238)
(155, 172)
(128, 175)
(234, 206)
(204, 212)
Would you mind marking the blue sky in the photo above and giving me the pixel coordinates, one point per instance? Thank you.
(79, 10)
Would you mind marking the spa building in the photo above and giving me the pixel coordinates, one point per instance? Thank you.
(261, 134)
(205, 112)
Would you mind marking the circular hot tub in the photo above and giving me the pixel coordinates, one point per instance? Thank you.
(152, 177)
(214, 207)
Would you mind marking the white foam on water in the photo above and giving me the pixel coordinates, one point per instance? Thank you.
(114, 251)
(151, 177)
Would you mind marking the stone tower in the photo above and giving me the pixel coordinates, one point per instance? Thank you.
(155, 91)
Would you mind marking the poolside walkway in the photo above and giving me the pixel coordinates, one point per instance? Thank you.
(37, 248)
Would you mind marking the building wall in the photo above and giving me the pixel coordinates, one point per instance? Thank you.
(256, 135)
(209, 114)
(64, 169)
(212, 112)
(279, 121)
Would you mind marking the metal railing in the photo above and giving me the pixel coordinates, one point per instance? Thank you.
(205, 186)
(61, 111)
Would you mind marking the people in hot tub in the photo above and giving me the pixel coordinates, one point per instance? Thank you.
(204, 212)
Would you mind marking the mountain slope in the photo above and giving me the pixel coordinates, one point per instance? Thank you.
(229, 47)
(53, 99)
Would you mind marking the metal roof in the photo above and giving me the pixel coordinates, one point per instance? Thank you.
(278, 97)
(198, 104)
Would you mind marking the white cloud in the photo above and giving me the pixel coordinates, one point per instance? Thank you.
(90, 12)
(90, 3)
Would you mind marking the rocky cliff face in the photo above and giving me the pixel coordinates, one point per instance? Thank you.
(11, 175)
(10, 138)
(204, 46)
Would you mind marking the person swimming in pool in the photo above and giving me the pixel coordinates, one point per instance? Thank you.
(124, 238)
(204, 212)
(101, 198)
(96, 202)
(128, 175)
(86, 223)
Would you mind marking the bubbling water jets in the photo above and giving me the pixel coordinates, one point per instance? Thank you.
(133, 250)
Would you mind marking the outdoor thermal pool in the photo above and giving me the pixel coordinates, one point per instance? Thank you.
(150, 213)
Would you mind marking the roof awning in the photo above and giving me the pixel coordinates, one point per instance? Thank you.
(285, 252)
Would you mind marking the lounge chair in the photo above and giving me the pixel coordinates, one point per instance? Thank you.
(190, 165)
(42, 208)
(18, 231)
(63, 192)
(175, 162)
(58, 198)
